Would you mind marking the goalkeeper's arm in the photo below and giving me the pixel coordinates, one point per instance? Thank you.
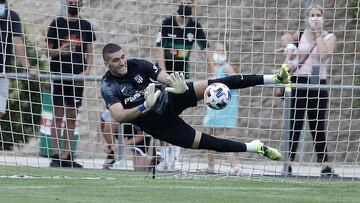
(122, 115)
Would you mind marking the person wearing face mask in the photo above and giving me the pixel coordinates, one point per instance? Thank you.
(176, 38)
(174, 43)
(219, 122)
(70, 46)
(11, 37)
(315, 48)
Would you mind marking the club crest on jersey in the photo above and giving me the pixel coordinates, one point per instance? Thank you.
(190, 37)
(138, 78)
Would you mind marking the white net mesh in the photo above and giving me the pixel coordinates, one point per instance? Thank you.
(251, 30)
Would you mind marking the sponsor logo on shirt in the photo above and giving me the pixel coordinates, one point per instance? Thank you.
(134, 97)
(171, 35)
(190, 37)
(73, 39)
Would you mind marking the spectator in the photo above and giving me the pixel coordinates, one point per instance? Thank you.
(176, 38)
(219, 122)
(315, 47)
(131, 97)
(70, 46)
(11, 35)
(134, 138)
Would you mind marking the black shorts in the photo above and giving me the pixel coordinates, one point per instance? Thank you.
(163, 121)
(65, 93)
(131, 131)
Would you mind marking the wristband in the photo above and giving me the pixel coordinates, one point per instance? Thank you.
(141, 108)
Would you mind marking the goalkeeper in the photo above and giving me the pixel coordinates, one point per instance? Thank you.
(131, 97)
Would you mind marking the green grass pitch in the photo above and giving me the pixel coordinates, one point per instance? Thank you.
(45, 185)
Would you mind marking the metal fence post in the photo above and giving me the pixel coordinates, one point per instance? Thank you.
(286, 131)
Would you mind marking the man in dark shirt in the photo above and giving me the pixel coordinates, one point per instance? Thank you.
(130, 96)
(176, 39)
(10, 35)
(70, 43)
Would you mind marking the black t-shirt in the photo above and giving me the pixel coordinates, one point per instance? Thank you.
(62, 31)
(177, 42)
(10, 26)
(129, 90)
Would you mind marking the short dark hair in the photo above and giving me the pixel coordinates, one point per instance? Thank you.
(109, 49)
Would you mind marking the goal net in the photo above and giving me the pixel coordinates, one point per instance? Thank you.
(251, 32)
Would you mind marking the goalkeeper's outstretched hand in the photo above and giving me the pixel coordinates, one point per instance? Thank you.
(178, 83)
(150, 96)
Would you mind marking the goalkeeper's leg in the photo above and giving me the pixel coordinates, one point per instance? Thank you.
(243, 81)
(205, 141)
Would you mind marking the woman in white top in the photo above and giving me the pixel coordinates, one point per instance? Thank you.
(315, 48)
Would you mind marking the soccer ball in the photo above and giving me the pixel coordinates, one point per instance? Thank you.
(217, 96)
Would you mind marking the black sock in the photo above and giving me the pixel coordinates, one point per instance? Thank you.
(239, 81)
(220, 145)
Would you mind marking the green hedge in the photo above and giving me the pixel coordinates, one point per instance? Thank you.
(353, 8)
(24, 108)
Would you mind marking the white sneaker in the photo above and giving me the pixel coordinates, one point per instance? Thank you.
(120, 165)
(161, 166)
(166, 167)
(208, 170)
(234, 171)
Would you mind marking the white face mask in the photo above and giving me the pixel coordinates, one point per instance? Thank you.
(315, 22)
(2, 10)
(220, 57)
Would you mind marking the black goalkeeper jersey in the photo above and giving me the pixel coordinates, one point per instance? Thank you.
(162, 121)
(129, 90)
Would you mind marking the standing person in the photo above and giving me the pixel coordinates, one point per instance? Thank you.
(11, 36)
(70, 46)
(219, 122)
(176, 39)
(131, 97)
(315, 47)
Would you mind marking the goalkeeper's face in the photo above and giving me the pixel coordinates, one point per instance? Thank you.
(117, 63)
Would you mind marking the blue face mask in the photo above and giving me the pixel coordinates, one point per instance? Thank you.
(2, 10)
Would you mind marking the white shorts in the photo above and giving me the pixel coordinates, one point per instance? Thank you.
(4, 93)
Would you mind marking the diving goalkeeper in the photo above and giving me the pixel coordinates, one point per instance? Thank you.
(131, 97)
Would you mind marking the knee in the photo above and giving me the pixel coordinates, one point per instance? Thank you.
(197, 140)
(2, 115)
